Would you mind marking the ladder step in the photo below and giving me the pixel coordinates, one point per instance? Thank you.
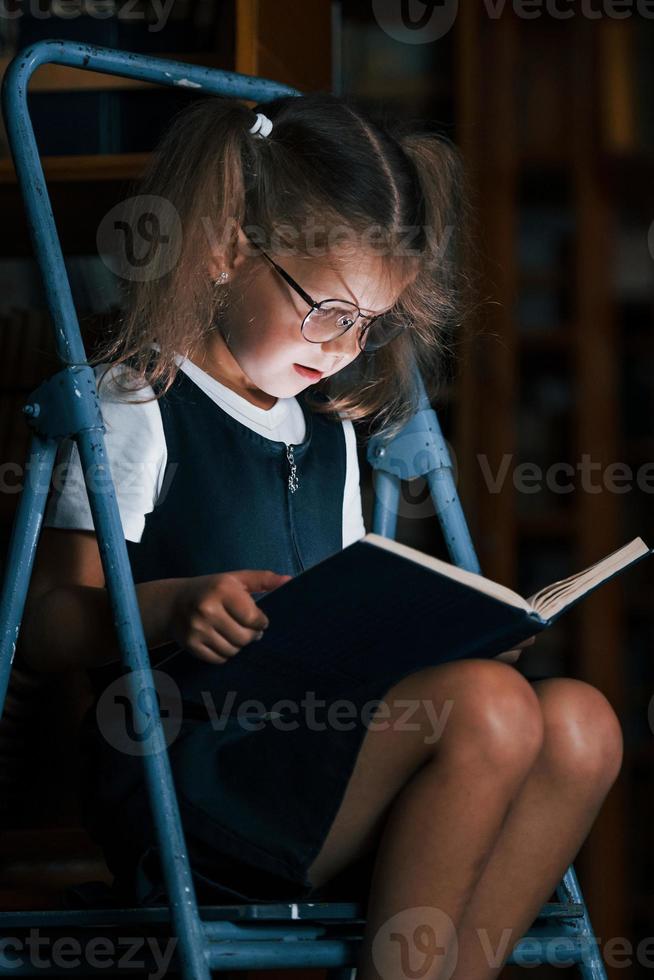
(262, 912)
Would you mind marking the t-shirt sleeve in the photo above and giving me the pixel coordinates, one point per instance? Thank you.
(136, 450)
(353, 526)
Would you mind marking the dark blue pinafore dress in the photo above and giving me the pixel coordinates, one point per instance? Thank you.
(256, 801)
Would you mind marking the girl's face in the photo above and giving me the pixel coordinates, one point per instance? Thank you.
(259, 344)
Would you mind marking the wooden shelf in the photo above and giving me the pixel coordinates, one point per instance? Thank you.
(110, 166)
(62, 78)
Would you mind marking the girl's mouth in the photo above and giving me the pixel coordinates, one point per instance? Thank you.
(307, 372)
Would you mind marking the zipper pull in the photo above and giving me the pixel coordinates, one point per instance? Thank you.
(292, 477)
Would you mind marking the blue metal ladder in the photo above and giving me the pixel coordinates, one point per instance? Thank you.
(221, 937)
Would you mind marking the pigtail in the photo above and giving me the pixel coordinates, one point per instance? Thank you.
(439, 301)
(188, 202)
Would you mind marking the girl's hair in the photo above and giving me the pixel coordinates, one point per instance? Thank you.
(326, 165)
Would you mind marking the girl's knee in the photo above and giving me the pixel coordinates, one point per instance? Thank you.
(583, 735)
(483, 707)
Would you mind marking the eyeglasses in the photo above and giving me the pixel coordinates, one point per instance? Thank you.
(331, 318)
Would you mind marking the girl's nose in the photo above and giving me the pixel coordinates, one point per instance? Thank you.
(346, 344)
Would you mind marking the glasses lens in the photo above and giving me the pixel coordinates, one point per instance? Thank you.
(383, 330)
(329, 320)
(334, 317)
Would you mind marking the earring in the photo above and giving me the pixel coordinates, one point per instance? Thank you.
(223, 277)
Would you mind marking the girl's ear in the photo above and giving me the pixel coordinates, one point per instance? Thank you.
(230, 258)
(215, 266)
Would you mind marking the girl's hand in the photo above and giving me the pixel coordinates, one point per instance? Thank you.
(510, 656)
(213, 616)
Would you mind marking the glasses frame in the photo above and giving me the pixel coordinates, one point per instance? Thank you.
(316, 305)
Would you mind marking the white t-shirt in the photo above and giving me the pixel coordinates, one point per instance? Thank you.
(137, 452)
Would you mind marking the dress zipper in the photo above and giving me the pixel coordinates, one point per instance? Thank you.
(292, 476)
(293, 484)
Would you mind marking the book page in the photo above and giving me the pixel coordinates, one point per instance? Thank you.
(552, 599)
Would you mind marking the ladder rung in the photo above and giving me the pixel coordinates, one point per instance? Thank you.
(271, 911)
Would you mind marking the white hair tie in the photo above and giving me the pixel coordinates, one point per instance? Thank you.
(262, 127)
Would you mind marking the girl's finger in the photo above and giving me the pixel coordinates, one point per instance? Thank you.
(228, 636)
(213, 639)
(242, 608)
(203, 652)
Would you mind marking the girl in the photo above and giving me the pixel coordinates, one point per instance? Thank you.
(302, 257)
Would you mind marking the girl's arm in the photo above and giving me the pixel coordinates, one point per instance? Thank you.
(68, 622)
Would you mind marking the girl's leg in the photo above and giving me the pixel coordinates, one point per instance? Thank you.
(547, 823)
(431, 787)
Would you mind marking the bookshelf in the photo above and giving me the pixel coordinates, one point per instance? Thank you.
(559, 148)
(628, 156)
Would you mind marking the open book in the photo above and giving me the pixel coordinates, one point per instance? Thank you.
(379, 604)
